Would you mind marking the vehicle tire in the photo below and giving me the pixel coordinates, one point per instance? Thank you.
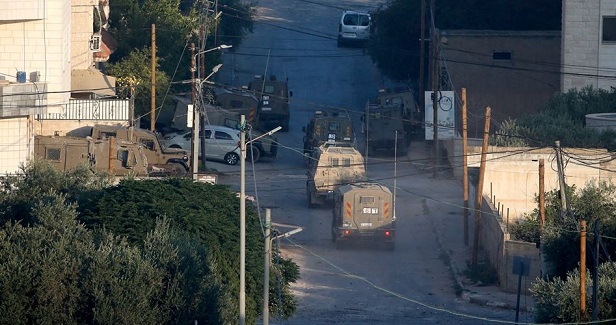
(232, 158)
(285, 125)
(177, 170)
(253, 155)
(311, 205)
(175, 146)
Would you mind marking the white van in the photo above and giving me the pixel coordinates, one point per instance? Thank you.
(354, 26)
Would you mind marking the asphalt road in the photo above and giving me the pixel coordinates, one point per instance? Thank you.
(362, 284)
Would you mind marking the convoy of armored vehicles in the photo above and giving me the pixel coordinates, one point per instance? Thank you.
(327, 127)
(273, 96)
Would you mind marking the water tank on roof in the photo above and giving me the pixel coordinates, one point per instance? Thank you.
(601, 121)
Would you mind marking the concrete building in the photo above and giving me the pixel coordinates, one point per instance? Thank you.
(513, 72)
(588, 44)
(48, 82)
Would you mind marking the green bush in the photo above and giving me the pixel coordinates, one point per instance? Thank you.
(558, 300)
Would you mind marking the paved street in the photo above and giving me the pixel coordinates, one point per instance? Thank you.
(362, 284)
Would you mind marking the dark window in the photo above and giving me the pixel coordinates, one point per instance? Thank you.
(335, 162)
(147, 143)
(609, 29)
(53, 154)
(366, 199)
(334, 127)
(346, 162)
(222, 135)
(501, 56)
(105, 135)
(268, 89)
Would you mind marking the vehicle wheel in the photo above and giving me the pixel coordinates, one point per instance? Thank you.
(177, 170)
(253, 155)
(310, 202)
(175, 146)
(232, 158)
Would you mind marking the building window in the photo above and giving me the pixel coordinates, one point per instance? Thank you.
(609, 29)
(501, 56)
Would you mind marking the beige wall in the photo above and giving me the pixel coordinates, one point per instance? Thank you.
(40, 45)
(512, 174)
(82, 16)
(501, 250)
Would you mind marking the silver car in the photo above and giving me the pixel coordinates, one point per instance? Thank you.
(221, 143)
(354, 27)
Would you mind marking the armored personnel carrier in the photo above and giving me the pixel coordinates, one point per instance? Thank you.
(383, 126)
(327, 127)
(332, 166)
(364, 212)
(273, 96)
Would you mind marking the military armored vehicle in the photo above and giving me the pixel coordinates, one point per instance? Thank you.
(273, 96)
(411, 113)
(380, 123)
(364, 212)
(118, 157)
(160, 158)
(239, 102)
(327, 127)
(332, 166)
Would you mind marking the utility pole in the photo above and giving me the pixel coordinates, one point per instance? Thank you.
(242, 220)
(582, 270)
(131, 111)
(201, 107)
(435, 91)
(564, 208)
(195, 128)
(595, 276)
(479, 195)
(542, 193)
(153, 98)
(266, 265)
(422, 55)
(465, 164)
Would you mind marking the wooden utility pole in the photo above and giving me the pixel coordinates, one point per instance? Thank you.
(582, 270)
(595, 275)
(465, 165)
(479, 195)
(422, 55)
(542, 193)
(153, 98)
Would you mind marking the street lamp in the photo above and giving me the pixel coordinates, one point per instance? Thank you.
(219, 47)
(243, 213)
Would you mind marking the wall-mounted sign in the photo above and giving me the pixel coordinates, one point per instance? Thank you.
(445, 115)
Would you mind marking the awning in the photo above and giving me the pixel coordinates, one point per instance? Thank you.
(91, 80)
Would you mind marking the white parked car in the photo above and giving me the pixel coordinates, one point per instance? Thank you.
(221, 143)
(354, 27)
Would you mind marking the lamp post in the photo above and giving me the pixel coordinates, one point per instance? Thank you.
(243, 213)
(197, 86)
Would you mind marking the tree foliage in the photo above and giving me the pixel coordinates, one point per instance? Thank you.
(558, 300)
(395, 45)
(562, 118)
(156, 251)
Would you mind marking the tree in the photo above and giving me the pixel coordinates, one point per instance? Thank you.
(205, 211)
(137, 258)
